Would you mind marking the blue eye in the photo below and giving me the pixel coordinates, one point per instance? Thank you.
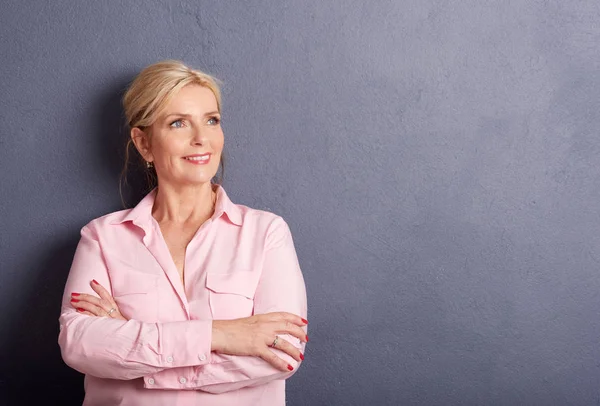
(176, 124)
(214, 120)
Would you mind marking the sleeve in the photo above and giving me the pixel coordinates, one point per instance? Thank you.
(280, 288)
(119, 349)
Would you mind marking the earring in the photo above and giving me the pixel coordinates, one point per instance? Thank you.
(149, 164)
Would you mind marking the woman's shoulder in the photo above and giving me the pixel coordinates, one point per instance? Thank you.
(242, 214)
(115, 217)
(263, 221)
(253, 216)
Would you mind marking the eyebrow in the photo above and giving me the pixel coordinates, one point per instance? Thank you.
(210, 113)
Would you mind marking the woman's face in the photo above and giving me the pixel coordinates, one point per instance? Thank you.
(186, 141)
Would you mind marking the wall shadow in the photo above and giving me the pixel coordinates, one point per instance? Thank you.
(111, 137)
(31, 367)
(33, 370)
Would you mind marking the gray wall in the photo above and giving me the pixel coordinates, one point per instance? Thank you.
(437, 162)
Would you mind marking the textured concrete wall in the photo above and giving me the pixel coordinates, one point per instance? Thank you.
(437, 162)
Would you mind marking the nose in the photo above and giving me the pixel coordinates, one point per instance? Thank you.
(198, 137)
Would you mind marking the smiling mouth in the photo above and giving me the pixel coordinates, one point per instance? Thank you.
(197, 158)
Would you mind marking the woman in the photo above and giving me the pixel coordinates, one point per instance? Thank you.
(188, 298)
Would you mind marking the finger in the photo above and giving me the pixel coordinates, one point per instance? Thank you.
(292, 318)
(80, 310)
(292, 329)
(82, 297)
(116, 314)
(106, 300)
(285, 346)
(103, 293)
(85, 302)
(77, 300)
(271, 358)
(93, 309)
(99, 306)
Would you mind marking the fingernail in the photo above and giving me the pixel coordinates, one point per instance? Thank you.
(307, 338)
(304, 321)
(291, 368)
(95, 281)
(74, 300)
(74, 294)
(301, 356)
(79, 309)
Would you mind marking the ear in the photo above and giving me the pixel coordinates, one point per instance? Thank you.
(141, 140)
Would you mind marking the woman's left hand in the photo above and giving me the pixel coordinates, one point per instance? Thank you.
(103, 306)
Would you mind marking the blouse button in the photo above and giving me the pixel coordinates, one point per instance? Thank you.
(150, 381)
(169, 359)
(182, 380)
(202, 357)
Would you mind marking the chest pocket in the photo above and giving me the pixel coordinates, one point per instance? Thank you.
(231, 295)
(136, 294)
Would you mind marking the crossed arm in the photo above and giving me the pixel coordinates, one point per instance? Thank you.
(222, 355)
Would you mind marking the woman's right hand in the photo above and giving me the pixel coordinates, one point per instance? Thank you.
(254, 335)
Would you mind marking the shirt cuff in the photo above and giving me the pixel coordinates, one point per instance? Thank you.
(185, 343)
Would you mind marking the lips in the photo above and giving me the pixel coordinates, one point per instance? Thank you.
(198, 159)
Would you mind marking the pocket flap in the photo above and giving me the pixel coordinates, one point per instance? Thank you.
(239, 283)
(129, 282)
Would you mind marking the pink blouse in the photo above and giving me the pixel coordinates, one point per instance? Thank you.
(240, 262)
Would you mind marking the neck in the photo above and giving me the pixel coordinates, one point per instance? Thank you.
(184, 204)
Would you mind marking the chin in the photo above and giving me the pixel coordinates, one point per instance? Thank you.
(197, 180)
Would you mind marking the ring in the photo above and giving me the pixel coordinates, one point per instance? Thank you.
(111, 310)
(275, 342)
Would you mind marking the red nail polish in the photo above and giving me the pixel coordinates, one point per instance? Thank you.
(307, 338)
(95, 281)
(302, 357)
(304, 321)
(79, 309)
(291, 368)
(74, 294)
(74, 300)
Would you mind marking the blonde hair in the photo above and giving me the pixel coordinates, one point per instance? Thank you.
(150, 92)
(154, 87)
